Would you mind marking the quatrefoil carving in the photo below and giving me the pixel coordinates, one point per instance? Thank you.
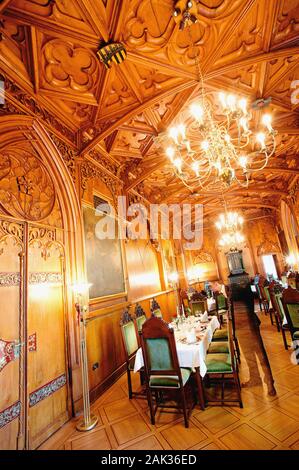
(69, 66)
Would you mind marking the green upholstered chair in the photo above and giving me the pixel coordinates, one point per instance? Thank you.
(220, 335)
(130, 343)
(221, 306)
(222, 368)
(155, 309)
(139, 316)
(290, 301)
(161, 365)
(218, 347)
(275, 292)
(269, 303)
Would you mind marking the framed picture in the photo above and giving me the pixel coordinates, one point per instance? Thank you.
(104, 263)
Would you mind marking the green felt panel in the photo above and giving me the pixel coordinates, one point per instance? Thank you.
(221, 300)
(130, 338)
(140, 321)
(198, 307)
(219, 347)
(220, 335)
(157, 313)
(159, 354)
(218, 363)
(294, 314)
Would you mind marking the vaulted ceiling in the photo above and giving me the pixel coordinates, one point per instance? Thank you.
(249, 47)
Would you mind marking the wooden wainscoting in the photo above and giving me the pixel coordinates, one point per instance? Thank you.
(106, 358)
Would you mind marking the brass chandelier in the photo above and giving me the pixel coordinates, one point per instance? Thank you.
(212, 145)
(230, 225)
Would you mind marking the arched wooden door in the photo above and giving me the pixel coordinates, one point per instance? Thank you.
(34, 398)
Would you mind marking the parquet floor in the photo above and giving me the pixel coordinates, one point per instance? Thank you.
(265, 422)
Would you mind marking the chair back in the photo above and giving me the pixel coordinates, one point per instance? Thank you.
(292, 280)
(129, 335)
(140, 317)
(155, 309)
(275, 296)
(198, 306)
(221, 301)
(290, 301)
(231, 344)
(159, 349)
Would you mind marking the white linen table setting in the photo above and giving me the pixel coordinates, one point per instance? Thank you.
(190, 354)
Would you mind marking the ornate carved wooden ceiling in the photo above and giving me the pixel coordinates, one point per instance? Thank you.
(251, 47)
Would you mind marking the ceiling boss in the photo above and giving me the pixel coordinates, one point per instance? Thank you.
(220, 138)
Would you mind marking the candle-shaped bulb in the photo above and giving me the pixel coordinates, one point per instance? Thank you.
(178, 164)
(243, 105)
(173, 133)
(267, 121)
(195, 168)
(231, 102)
(222, 99)
(170, 152)
(261, 139)
(243, 161)
(197, 112)
(182, 131)
(205, 145)
(244, 124)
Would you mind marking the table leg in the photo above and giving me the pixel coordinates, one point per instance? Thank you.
(200, 388)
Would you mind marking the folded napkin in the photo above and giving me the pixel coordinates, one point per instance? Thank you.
(204, 317)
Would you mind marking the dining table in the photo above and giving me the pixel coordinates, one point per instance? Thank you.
(193, 337)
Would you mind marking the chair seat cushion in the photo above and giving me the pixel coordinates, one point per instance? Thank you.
(218, 363)
(220, 335)
(219, 347)
(296, 335)
(170, 380)
(222, 311)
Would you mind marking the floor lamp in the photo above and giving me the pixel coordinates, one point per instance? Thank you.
(81, 294)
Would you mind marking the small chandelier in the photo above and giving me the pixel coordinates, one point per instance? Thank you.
(230, 225)
(213, 145)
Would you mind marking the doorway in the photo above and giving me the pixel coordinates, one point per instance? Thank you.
(270, 267)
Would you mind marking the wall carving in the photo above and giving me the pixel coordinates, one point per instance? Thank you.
(20, 102)
(26, 189)
(69, 67)
(267, 246)
(68, 154)
(10, 230)
(89, 171)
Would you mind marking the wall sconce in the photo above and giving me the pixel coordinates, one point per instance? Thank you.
(81, 292)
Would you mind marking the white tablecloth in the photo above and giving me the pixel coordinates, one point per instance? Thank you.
(189, 355)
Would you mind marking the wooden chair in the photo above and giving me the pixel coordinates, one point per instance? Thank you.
(265, 297)
(198, 303)
(140, 317)
(221, 368)
(290, 300)
(155, 309)
(275, 291)
(161, 365)
(130, 343)
(221, 306)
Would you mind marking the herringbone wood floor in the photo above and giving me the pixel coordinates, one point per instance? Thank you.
(264, 423)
